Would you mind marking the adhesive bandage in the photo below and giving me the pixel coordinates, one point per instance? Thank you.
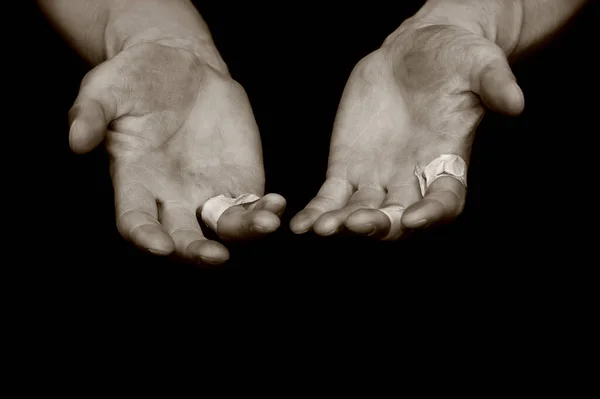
(394, 213)
(445, 165)
(216, 206)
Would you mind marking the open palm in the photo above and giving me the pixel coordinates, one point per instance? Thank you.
(179, 132)
(413, 100)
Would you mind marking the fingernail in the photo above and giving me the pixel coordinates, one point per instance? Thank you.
(299, 228)
(261, 229)
(277, 201)
(335, 231)
(158, 252)
(71, 131)
(519, 93)
(421, 223)
(211, 261)
(371, 229)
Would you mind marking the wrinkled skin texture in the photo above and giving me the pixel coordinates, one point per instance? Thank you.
(422, 94)
(179, 132)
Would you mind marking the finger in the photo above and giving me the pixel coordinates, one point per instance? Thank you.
(137, 219)
(334, 194)
(94, 108)
(182, 225)
(386, 221)
(364, 198)
(369, 222)
(497, 86)
(243, 222)
(273, 203)
(444, 200)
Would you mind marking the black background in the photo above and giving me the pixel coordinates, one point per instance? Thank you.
(524, 211)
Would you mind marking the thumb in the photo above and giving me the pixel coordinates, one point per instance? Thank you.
(94, 109)
(495, 83)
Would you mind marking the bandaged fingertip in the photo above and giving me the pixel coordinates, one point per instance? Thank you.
(445, 165)
(216, 206)
(394, 213)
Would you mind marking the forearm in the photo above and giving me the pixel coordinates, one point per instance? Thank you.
(99, 29)
(516, 26)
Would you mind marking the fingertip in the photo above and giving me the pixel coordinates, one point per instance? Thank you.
(511, 101)
(415, 221)
(327, 225)
(275, 198)
(367, 222)
(517, 100)
(274, 203)
(242, 224)
(501, 92)
(84, 137)
(75, 139)
(88, 122)
(428, 212)
(300, 223)
(428, 209)
(265, 222)
(159, 252)
(153, 239)
(208, 252)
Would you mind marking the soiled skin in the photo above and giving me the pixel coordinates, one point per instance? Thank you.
(180, 130)
(421, 95)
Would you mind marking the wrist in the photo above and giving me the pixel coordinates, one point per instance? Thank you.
(499, 21)
(177, 26)
(205, 52)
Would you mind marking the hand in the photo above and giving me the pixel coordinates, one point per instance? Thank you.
(419, 96)
(179, 133)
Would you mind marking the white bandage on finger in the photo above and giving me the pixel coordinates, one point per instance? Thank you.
(445, 165)
(216, 206)
(394, 213)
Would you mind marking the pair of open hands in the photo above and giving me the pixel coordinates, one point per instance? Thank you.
(180, 131)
